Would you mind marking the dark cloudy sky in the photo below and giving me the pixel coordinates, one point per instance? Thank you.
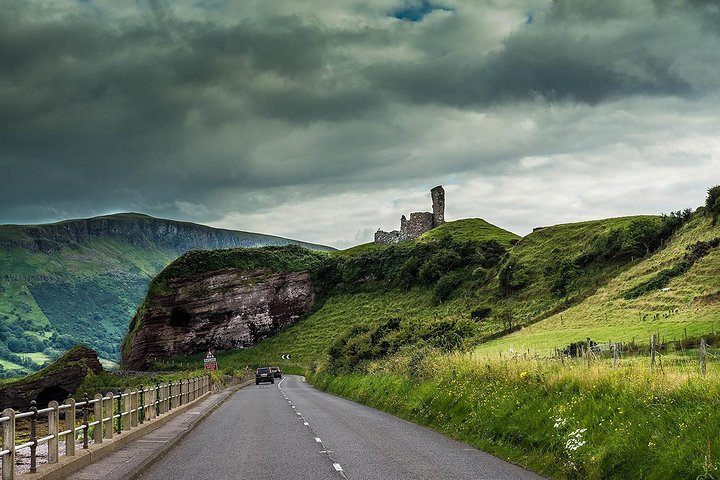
(323, 119)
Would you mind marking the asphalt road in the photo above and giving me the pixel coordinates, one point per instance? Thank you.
(290, 430)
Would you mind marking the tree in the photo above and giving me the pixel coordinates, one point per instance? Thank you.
(513, 277)
(712, 203)
(641, 236)
(506, 316)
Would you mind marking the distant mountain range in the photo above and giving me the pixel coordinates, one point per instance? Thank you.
(80, 281)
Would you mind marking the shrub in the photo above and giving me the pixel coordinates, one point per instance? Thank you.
(712, 203)
(481, 313)
(441, 262)
(447, 285)
(513, 277)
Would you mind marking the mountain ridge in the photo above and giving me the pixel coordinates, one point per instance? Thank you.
(81, 280)
(51, 237)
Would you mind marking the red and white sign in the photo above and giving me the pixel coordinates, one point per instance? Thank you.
(210, 361)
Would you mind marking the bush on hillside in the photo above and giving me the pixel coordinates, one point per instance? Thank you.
(360, 344)
(513, 277)
(638, 239)
(480, 313)
(417, 264)
(712, 203)
(694, 253)
(562, 273)
(447, 285)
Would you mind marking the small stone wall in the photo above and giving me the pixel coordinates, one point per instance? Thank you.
(387, 238)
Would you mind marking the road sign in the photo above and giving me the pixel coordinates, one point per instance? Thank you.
(210, 361)
(285, 356)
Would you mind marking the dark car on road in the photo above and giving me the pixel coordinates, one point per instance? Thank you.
(277, 373)
(263, 374)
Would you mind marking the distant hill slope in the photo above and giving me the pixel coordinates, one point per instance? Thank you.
(686, 304)
(359, 286)
(544, 283)
(80, 281)
(468, 282)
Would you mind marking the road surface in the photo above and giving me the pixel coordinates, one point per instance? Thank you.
(290, 430)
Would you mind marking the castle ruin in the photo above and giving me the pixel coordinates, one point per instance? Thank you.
(418, 223)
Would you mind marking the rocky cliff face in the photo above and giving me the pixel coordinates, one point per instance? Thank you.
(220, 310)
(56, 382)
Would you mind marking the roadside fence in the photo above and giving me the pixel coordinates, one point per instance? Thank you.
(95, 418)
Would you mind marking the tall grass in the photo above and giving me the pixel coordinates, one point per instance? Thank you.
(564, 420)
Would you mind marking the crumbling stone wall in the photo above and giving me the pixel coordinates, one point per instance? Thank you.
(438, 199)
(387, 238)
(419, 222)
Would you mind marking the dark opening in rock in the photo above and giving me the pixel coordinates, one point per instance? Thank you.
(179, 318)
(49, 394)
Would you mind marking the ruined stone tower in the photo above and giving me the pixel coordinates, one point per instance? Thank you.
(418, 223)
(438, 204)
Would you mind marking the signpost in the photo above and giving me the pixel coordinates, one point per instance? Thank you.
(285, 356)
(210, 361)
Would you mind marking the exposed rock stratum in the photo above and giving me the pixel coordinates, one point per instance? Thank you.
(220, 310)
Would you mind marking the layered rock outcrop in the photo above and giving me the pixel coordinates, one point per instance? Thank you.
(56, 382)
(220, 310)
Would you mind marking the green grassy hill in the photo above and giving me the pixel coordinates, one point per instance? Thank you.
(485, 286)
(80, 281)
(688, 305)
(372, 283)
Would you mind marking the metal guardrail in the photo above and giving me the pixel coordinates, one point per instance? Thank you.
(100, 417)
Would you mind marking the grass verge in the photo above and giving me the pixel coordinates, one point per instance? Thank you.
(564, 421)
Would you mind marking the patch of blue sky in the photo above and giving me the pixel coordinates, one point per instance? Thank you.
(416, 10)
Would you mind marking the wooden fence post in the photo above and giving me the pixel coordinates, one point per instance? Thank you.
(652, 353)
(54, 430)
(588, 351)
(151, 403)
(703, 357)
(616, 356)
(70, 425)
(108, 427)
(98, 412)
(134, 413)
(127, 406)
(8, 461)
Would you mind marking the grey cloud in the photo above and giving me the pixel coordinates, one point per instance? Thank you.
(200, 111)
(579, 51)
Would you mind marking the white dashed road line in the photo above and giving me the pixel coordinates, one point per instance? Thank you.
(324, 451)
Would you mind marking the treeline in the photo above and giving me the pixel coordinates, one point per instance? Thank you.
(641, 237)
(443, 265)
(366, 342)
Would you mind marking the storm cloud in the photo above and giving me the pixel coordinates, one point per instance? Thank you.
(325, 120)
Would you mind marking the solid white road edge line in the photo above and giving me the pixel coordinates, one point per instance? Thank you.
(337, 467)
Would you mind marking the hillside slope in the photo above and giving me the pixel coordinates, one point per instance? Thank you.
(470, 282)
(687, 305)
(428, 282)
(479, 307)
(80, 281)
